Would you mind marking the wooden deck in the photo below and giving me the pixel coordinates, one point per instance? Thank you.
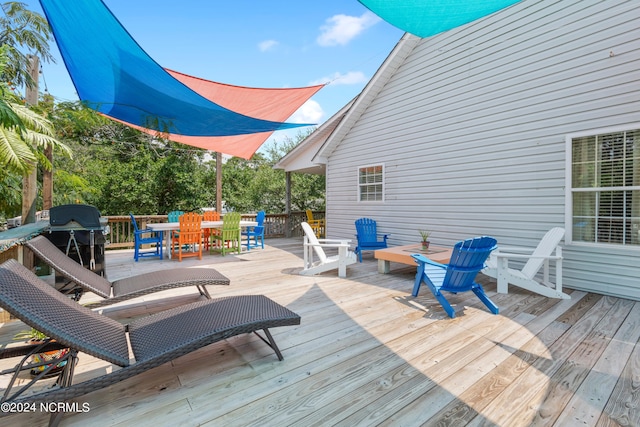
(367, 353)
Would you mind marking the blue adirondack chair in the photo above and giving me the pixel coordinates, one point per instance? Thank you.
(146, 237)
(467, 259)
(256, 232)
(367, 235)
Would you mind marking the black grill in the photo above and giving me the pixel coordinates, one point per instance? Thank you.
(78, 231)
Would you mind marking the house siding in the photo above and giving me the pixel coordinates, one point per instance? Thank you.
(471, 129)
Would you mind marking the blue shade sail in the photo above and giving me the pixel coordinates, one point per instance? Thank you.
(425, 18)
(114, 75)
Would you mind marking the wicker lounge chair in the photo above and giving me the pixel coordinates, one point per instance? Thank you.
(124, 289)
(154, 339)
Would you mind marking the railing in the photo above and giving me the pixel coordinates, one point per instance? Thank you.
(275, 225)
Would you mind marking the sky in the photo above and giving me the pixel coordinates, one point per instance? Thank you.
(255, 43)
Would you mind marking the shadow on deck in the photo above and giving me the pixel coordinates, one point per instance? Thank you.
(367, 353)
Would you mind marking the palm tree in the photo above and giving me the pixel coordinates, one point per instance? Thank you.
(22, 131)
(22, 29)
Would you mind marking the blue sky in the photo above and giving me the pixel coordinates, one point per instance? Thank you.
(255, 43)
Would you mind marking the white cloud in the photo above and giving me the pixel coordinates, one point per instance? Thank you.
(267, 45)
(351, 78)
(309, 112)
(341, 29)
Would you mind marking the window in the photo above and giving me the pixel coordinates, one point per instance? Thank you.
(371, 183)
(605, 188)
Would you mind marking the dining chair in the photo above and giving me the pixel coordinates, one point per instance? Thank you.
(190, 235)
(317, 225)
(255, 232)
(174, 216)
(208, 232)
(146, 237)
(229, 238)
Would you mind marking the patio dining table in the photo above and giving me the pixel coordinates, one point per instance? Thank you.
(167, 227)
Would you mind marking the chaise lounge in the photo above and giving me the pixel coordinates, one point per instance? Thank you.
(154, 340)
(124, 289)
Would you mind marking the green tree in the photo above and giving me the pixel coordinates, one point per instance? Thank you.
(253, 185)
(307, 190)
(22, 132)
(130, 186)
(113, 167)
(237, 175)
(23, 32)
(23, 135)
(120, 170)
(181, 181)
(76, 126)
(10, 194)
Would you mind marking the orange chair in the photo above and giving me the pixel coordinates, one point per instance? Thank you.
(208, 232)
(190, 234)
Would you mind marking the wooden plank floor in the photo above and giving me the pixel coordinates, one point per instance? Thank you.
(367, 353)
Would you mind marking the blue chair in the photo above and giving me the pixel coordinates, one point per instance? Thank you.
(467, 259)
(367, 235)
(257, 232)
(174, 216)
(146, 237)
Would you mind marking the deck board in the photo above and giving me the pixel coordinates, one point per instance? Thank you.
(367, 353)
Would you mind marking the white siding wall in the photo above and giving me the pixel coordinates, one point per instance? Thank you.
(471, 130)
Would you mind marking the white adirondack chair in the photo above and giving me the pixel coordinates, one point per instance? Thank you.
(548, 249)
(313, 244)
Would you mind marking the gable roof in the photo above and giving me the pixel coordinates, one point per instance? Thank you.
(396, 58)
(302, 158)
(310, 156)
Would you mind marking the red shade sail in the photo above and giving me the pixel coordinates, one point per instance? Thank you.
(264, 103)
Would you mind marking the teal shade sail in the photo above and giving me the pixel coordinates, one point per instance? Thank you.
(112, 74)
(425, 18)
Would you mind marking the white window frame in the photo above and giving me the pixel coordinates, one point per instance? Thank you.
(569, 188)
(360, 186)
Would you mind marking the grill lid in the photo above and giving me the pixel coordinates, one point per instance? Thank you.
(75, 216)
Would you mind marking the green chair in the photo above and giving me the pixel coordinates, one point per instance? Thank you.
(228, 240)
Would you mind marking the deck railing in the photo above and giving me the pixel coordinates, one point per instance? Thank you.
(120, 234)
